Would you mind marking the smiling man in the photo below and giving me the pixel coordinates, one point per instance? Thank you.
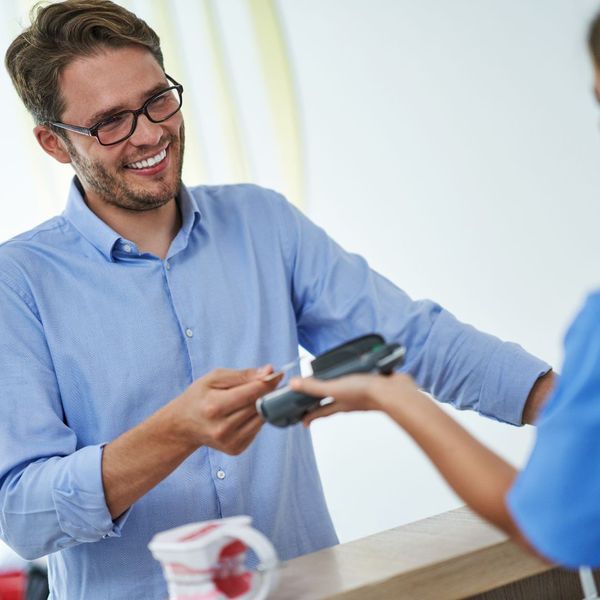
(114, 423)
(130, 186)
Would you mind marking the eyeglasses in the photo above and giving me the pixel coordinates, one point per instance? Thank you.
(120, 126)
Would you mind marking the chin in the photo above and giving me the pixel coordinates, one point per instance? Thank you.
(151, 195)
(143, 200)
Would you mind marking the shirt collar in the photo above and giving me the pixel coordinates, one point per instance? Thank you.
(190, 211)
(103, 237)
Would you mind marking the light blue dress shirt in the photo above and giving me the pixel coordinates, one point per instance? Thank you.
(95, 337)
(556, 499)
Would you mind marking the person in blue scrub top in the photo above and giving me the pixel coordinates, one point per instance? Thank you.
(553, 505)
(127, 323)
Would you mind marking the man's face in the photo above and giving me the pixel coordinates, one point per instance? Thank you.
(98, 86)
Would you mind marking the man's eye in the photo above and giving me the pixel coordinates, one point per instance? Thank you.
(159, 100)
(116, 122)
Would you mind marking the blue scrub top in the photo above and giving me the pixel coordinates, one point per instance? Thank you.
(556, 499)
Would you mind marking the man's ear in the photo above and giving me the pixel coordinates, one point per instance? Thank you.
(51, 143)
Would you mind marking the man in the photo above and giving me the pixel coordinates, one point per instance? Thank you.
(112, 314)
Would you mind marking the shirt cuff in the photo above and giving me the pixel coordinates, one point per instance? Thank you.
(510, 375)
(79, 498)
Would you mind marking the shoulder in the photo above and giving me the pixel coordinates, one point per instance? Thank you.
(249, 210)
(591, 306)
(240, 198)
(25, 254)
(45, 233)
(584, 332)
(258, 212)
(575, 402)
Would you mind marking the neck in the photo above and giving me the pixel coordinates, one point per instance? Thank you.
(151, 231)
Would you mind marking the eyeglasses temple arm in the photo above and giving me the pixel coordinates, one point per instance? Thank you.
(75, 128)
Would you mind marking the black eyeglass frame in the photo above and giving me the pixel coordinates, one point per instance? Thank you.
(93, 130)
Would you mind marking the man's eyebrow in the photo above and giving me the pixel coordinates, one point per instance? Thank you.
(105, 114)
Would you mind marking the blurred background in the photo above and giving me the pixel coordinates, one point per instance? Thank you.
(452, 143)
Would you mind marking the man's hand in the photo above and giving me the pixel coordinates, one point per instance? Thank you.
(219, 409)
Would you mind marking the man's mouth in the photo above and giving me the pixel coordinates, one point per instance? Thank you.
(146, 163)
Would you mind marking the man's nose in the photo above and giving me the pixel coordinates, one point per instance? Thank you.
(146, 132)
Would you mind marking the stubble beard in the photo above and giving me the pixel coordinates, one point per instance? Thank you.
(113, 189)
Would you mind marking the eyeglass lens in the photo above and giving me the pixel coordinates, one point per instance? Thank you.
(122, 125)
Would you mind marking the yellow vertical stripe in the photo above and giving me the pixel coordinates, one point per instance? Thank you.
(280, 91)
(224, 91)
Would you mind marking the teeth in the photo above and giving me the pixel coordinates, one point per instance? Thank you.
(148, 162)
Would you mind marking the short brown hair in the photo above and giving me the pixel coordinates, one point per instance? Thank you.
(60, 33)
(594, 40)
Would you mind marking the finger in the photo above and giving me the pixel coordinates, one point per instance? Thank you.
(346, 387)
(314, 387)
(246, 434)
(237, 419)
(246, 395)
(249, 430)
(274, 376)
(265, 372)
(228, 378)
(323, 411)
(259, 373)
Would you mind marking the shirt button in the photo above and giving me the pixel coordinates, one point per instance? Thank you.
(127, 248)
(220, 474)
(167, 265)
(189, 332)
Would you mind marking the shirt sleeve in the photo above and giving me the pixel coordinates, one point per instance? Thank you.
(51, 493)
(555, 500)
(337, 297)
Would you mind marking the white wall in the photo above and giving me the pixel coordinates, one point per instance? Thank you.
(454, 144)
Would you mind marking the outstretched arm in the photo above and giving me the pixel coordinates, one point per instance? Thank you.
(479, 476)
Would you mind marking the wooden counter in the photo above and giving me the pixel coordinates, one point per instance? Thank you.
(452, 555)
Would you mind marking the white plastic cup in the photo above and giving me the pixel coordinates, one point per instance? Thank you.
(205, 560)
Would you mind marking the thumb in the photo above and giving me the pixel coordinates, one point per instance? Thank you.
(313, 387)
